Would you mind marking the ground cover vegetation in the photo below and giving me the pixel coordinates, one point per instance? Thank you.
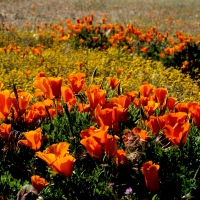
(99, 104)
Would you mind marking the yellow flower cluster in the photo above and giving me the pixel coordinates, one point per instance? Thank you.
(62, 60)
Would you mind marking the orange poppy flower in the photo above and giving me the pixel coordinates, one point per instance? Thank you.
(169, 50)
(38, 183)
(177, 134)
(171, 103)
(68, 95)
(21, 104)
(173, 125)
(153, 125)
(59, 149)
(181, 107)
(52, 112)
(55, 83)
(113, 82)
(145, 49)
(146, 90)
(100, 135)
(142, 133)
(119, 114)
(150, 108)
(33, 139)
(5, 131)
(41, 74)
(132, 95)
(119, 71)
(58, 158)
(39, 108)
(26, 73)
(30, 116)
(150, 172)
(195, 113)
(94, 149)
(42, 83)
(95, 96)
(121, 159)
(83, 107)
(49, 158)
(104, 116)
(110, 146)
(77, 82)
(160, 94)
(95, 38)
(64, 165)
(173, 118)
(39, 94)
(5, 102)
(123, 101)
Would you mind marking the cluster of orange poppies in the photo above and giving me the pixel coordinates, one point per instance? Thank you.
(171, 118)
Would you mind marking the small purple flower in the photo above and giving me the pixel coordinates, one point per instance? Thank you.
(128, 191)
(111, 183)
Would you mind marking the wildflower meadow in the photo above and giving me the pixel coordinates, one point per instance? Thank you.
(99, 100)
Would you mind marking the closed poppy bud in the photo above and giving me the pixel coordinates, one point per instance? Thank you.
(119, 71)
(95, 38)
(150, 172)
(55, 83)
(80, 65)
(38, 183)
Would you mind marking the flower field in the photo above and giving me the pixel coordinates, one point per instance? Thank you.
(96, 103)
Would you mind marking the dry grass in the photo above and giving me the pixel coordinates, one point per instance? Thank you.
(166, 15)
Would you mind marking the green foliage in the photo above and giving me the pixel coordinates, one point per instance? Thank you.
(9, 185)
